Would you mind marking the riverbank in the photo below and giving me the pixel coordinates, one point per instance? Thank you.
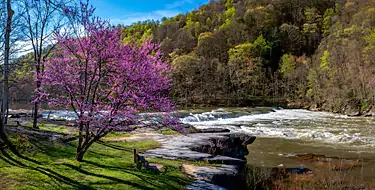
(50, 164)
(288, 139)
(354, 111)
(109, 163)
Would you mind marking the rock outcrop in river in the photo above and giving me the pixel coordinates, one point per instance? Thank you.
(227, 149)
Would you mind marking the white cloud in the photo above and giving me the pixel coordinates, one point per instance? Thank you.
(135, 17)
(177, 4)
(169, 10)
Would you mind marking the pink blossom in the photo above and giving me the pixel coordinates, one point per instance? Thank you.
(104, 81)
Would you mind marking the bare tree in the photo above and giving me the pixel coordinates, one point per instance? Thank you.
(5, 91)
(3, 15)
(41, 20)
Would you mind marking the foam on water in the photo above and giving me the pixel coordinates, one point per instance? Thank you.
(294, 124)
(301, 124)
(59, 115)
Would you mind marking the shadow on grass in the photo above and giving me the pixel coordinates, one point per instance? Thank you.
(48, 172)
(106, 177)
(153, 180)
(116, 147)
(149, 180)
(147, 176)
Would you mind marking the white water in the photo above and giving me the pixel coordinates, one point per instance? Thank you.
(320, 127)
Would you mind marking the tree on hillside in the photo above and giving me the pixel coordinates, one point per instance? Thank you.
(185, 79)
(104, 81)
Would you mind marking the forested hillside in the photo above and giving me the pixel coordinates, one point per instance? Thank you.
(308, 53)
(311, 52)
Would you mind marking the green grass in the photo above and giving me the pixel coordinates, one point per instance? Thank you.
(107, 165)
(170, 132)
(115, 134)
(54, 128)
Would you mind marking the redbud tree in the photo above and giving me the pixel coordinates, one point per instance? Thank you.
(102, 80)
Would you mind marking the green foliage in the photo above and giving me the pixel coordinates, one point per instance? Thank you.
(350, 30)
(287, 64)
(325, 60)
(147, 35)
(249, 18)
(261, 46)
(208, 21)
(191, 18)
(205, 36)
(327, 20)
(241, 51)
(364, 106)
(207, 45)
(185, 60)
(312, 79)
(228, 51)
(197, 29)
(226, 24)
(186, 69)
(229, 4)
(370, 40)
(312, 15)
(230, 12)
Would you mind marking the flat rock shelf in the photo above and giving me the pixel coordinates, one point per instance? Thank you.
(227, 150)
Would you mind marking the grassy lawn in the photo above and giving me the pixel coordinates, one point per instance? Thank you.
(169, 132)
(54, 128)
(107, 165)
(115, 134)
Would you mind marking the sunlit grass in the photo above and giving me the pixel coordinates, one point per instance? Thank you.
(116, 134)
(107, 165)
(54, 128)
(170, 132)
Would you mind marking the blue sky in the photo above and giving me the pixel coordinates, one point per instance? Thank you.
(130, 11)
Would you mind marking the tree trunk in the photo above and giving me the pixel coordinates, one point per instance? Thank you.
(80, 154)
(35, 115)
(86, 145)
(36, 104)
(5, 95)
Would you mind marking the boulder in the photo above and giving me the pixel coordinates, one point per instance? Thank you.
(231, 145)
(14, 115)
(215, 130)
(209, 177)
(157, 168)
(355, 114)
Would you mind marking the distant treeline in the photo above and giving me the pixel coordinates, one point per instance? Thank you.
(311, 52)
(261, 52)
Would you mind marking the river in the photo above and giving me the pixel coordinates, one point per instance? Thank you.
(284, 133)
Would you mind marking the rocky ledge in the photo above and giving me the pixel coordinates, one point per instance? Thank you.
(225, 148)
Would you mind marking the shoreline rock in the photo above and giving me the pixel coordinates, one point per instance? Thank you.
(214, 130)
(228, 149)
(231, 145)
